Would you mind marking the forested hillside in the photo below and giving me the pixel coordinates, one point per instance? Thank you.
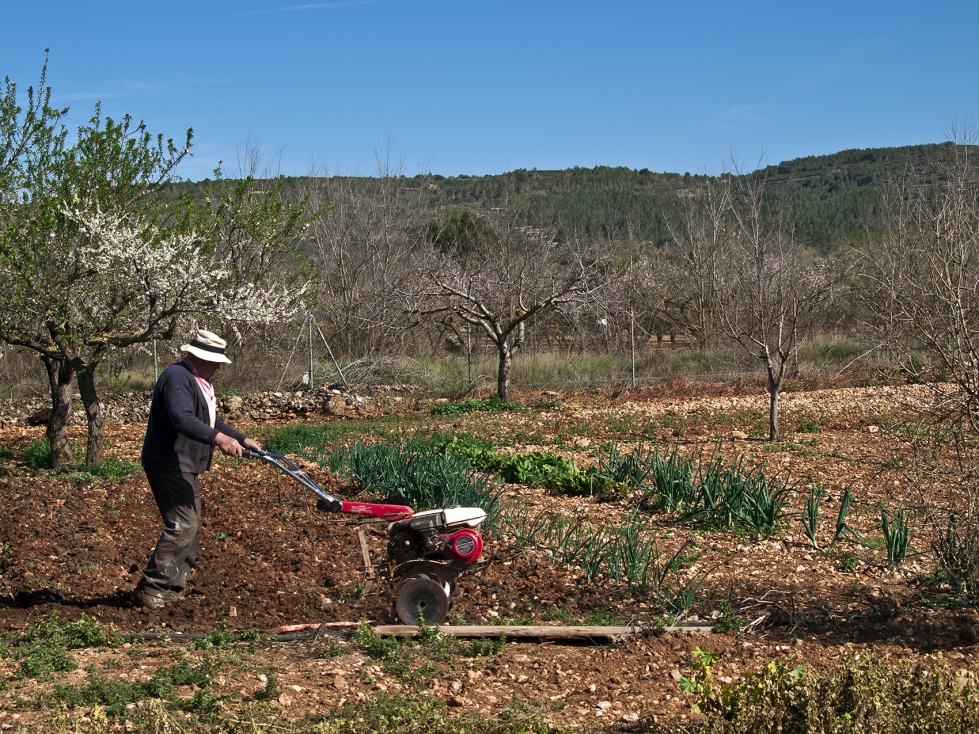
(826, 198)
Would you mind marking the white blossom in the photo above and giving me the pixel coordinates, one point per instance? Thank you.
(136, 274)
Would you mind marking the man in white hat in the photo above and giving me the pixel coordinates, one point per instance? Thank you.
(181, 433)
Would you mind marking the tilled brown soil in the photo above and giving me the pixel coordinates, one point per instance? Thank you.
(72, 544)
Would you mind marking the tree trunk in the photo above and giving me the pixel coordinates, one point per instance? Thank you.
(774, 389)
(60, 374)
(773, 393)
(503, 373)
(93, 412)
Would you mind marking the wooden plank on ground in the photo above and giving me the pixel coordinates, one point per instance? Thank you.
(550, 632)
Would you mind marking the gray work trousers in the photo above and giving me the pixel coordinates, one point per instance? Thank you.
(178, 496)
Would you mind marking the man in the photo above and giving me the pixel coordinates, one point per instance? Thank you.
(181, 433)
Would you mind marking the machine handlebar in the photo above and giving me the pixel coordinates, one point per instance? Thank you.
(389, 513)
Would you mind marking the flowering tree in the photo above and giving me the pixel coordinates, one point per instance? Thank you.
(97, 255)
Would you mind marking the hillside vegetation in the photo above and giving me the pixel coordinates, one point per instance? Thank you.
(827, 197)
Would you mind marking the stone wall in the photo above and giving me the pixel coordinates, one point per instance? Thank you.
(126, 408)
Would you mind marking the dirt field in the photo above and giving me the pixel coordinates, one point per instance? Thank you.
(74, 544)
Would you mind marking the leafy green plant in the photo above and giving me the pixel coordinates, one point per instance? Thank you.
(221, 639)
(40, 660)
(271, 690)
(850, 560)
(897, 535)
(549, 471)
(186, 673)
(810, 514)
(418, 474)
(37, 455)
(728, 621)
(842, 527)
(701, 683)
(477, 450)
(392, 652)
(775, 683)
(86, 631)
(49, 642)
(114, 695)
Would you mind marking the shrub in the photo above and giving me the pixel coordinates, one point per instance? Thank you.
(956, 549)
(869, 696)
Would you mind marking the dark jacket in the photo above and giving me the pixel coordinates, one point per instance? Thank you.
(178, 435)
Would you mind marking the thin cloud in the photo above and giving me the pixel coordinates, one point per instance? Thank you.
(743, 112)
(138, 88)
(82, 96)
(118, 89)
(191, 80)
(818, 73)
(318, 6)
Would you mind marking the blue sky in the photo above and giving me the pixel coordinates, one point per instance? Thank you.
(453, 86)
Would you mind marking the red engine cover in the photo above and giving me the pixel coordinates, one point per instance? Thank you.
(463, 545)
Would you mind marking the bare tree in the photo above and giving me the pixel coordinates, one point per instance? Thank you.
(499, 280)
(692, 265)
(769, 295)
(920, 275)
(363, 244)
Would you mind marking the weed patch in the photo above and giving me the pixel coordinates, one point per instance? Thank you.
(491, 404)
(409, 657)
(37, 455)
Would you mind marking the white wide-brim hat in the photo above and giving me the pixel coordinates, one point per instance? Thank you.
(208, 346)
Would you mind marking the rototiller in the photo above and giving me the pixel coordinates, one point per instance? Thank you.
(426, 551)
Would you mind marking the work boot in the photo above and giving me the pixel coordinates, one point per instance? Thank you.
(171, 595)
(150, 599)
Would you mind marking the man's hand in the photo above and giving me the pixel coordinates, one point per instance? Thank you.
(251, 444)
(229, 446)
